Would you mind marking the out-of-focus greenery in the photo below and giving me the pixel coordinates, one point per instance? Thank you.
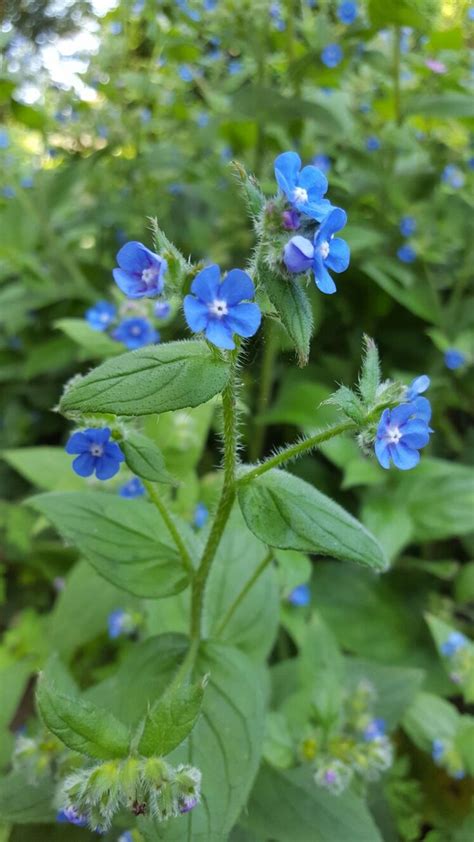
(174, 92)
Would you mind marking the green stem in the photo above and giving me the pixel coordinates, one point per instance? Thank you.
(243, 593)
(295, 450)
(171, 525)
(396, 76)
(224, 506)
(266, 383)
(186, 666)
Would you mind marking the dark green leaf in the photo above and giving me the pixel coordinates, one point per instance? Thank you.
(145, 458)
(171, 719)
(293, 307)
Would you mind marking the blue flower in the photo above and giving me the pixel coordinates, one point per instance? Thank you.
(136, 332)
(304, 188)
(402, 432)
(322, 162)
(185, 73)
(332, 55)
(234, 67)
(101, 315)
(276, 16)
(372, 144)
(453, 644)
(115, 27)
(125, 837)
(133, 488)
(470, 13)
(437, 750)
(162, 309)
(453, 176)
(406, 253)
(188, 804)
(201, 514)
(141, 271)
(347, 11)
(328, 252)
(71, 816)
(470, 162)
(374, 730)
(8, 192)
(417, 387)
(115, 623)
(216, 307)
(27, 182)
(454, 359)
(96, 454)
(300, 596)
(4, 139)
(407, 226)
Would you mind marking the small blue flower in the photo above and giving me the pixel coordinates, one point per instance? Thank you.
(217, 307)
(454, 359)
(347, 11)
(8, 192)
(162, 309)
(372, 144)
(304, 188)
(407, 226)
(141, 272)
(115, 623)
(188, 804)
(470, 13)
(300, 596)
(115, 27)
(201, 514)
(202, 120)
(125, 837)
(276, 16)
(453, 176)
(406, 253)
(417, 387)
(4, 139)
(133, 488)
(453, 644)
(437, 750)
(328, 252)
(136, 332)
(27, 182)
(332, 55)
(470, 162)
(71, 816)
(374, 730)
(402, 432)
(145, 115)
(210, 5)
(322, 162)
(185, 73)
(234, 67)
(96, 454)
(100, 316)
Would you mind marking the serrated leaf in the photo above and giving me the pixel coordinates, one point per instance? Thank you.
(293, 308)
(154, 379)
(171, 719)
(145, 458)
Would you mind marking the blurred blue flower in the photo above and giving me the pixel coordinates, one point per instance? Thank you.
(300, 596)
(217, 307)
(103, 132)
(276, 16)
(372, 144)
(4, 139)
(133, 488)
(136, 332)
(185, 73)
(234, 67)
(69, 815)
(374, 730)
(406, 253)
(304, 188)
(125, 837)
(454, 359)
(437, 750)
(470, 163)
(162, 309)
(470, 13)
(115, 623)
(407, 226)
(210, 5)
(401, 433)
(141, 271)
(322, 162)
(417, 387)
(115, 27)
(138, 7)
(201, 514)
(453, 176)
(8, 192)
(145, 115)
(96, 453)
(453, 644)
(100, 316)
(347, 11)
(332, 55)
(27, 182)
(202, 120)
(365, 107)
(327, 252)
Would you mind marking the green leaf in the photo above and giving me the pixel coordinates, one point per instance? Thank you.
(430, 718)
(80, 725)
(289, 807)
(171, 719)
(398, 12)
(369, 379)
(439, 499)
(48, 468)
(284, 511)
(145, 458)
(391, 525)
(444, 105)
(251, 190)
(94, 342)
(129, 545)
(22, 802)
(150, 380)
(293, 308)
(396, 686)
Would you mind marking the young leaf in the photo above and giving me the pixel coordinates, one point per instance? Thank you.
(284, 511)
(128, 545)
(254, 197)
(171, 719)
(80, 725)
(293, 308)
(145, 458)
(369, 379)
(154, 379)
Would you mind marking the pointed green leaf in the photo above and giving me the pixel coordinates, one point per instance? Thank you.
(145, 458)
(171, 719)
(293, 308)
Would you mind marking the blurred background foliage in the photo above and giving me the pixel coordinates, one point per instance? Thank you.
(116, 112)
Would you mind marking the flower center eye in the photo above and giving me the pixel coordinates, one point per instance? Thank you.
(136, 330)
(393, 435)
(300, 194)
(149, 275)
(96, 450)
(218, 308)
(324, 249)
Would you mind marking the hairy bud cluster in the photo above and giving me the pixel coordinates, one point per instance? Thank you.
(144, 786)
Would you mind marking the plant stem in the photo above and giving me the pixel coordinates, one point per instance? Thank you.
(243, 593)
(171, 525)
(224, 506)
(266, 383)
(396, 76)
(295, 450)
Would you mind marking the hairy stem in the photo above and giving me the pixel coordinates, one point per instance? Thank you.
(170, 524)
(295, 450)
(265, 389)
(243, 593)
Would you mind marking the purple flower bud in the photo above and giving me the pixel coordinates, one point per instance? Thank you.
(291, 220)
(187, 805)
(298, 254)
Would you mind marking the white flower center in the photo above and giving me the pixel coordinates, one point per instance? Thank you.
(393, 435)
(104, 318)
(324, 249)
(149, 275)
(218, 308)
(96, 450)
(136, 330)
(300, 194)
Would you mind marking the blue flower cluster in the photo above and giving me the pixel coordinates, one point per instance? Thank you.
(406, 253)
(404, 430)
(304, 190)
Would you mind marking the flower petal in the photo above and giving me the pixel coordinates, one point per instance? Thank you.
(404, 457)
(236, 286)
(339, 255)
(205, 285)
(287, 167)
(84, 464)
(334, 221)
(381, 452)
(314, 182)
(100, 435)
(401, 414)
(323, 279)
(112, 451)
(106, 467)
(421, 409)
(244, 319)
(196, 313)
(298, 254)
(135, 257)
(131, 285)
(219, 334)
(317, 210)
(78, 443)
(417, 439)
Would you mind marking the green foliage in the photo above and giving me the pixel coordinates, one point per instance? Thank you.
(171, 719)
(144, 458)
